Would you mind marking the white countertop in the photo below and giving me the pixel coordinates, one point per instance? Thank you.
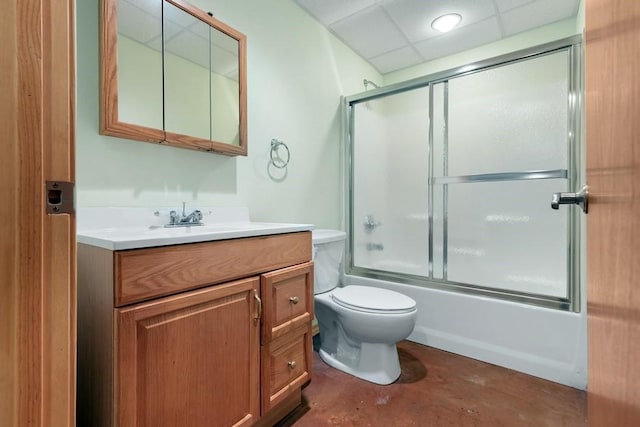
(143, 228)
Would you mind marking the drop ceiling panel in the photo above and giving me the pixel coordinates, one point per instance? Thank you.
(170, 31)
(536, 14)
(138, 24)
(178, 16)
(504, 5)
(464, 38)
(414, 17)
(396, 59)
(331, 11)
(224, 41)
(201, 30)
(185, 36)
(223, 62)
(191, 47)
(370, 33)
(152, 7)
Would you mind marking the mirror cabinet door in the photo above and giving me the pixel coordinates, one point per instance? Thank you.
(187, 83)
(131, 69)
(140, 63)
(172, 73)
(225, 89)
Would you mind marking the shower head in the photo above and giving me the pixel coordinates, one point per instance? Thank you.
(369, 82)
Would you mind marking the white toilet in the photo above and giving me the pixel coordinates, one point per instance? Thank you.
(359, 325)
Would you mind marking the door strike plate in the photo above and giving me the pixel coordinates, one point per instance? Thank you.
(59, 197)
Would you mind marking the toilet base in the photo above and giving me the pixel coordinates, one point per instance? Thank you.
(377, 363)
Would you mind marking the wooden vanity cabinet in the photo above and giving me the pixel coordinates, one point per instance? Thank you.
(194, 357)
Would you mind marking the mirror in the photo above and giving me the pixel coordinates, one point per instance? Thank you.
(171, 73)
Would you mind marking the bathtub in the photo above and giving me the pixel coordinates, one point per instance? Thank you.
(546, 343)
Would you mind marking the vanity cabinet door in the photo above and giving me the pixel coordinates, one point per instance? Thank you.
(191, 359)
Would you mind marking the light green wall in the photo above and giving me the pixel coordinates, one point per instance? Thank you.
(297, 72)
(580, 18)
(225, 111)
(186, 97)
(139, 84)
(548, 33)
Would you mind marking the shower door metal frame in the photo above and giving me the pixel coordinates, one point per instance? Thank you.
(573, 45)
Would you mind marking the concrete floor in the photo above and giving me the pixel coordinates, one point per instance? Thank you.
(437, 388)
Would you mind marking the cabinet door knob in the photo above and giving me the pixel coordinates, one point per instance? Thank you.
(294, 300)
(292, 364)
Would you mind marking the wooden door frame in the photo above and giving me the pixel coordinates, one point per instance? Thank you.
(37, 262)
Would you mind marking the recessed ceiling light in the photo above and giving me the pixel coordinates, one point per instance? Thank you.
(446, 22)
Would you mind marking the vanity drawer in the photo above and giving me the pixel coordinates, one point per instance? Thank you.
(142, 274)
(288, 295)
(286, 366)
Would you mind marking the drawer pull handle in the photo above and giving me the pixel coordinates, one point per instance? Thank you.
(292, 364)
(259, 305)
(294, 300)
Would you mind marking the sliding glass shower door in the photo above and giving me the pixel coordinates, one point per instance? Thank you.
(452, 177)
(390, 169)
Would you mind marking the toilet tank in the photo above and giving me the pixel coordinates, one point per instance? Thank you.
(328, 250)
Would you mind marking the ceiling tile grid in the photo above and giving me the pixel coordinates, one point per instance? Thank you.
(370, 32)
(537, 13)
(395, 34)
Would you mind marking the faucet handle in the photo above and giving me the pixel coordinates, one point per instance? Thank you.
(173, 217)
(370, 223)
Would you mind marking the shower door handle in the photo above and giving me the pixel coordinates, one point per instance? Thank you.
(580, 198)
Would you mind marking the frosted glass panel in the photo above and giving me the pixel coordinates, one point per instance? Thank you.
(390, 185)
(438, 231)
(439, 128)
(510, 118)
(504, 235)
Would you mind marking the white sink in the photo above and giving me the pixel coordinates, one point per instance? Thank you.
(134, 233)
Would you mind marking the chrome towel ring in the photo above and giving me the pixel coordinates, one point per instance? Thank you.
(276, 159)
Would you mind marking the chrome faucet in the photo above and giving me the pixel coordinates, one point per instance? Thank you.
(184, 220)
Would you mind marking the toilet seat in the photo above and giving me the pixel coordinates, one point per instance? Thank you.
(373, 300)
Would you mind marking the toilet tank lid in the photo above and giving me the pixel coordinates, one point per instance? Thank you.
(370, 298)
(325, 236)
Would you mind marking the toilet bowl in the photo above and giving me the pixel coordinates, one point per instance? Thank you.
(359, 325)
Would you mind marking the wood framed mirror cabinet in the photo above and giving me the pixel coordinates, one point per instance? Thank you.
(173, 74)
